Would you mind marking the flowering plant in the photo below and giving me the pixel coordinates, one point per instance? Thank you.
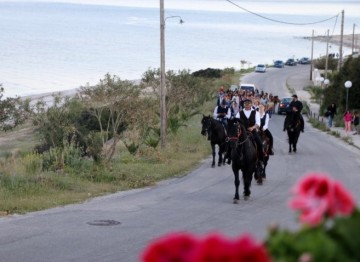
(330, 232)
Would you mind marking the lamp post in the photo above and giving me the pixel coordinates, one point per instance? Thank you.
(326, 82)
(163, 114)
(347, 84)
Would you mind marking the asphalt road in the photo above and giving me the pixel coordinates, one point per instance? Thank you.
(200, 202)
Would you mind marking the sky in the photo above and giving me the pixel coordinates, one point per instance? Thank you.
(263, 6)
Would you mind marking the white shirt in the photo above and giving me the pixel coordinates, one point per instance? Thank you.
(247, 114)
(266, 125)
(228, 114)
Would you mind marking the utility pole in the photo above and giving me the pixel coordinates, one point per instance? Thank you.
(341, 41)
(162, 78)
(327, 54)
(312, 54)
(353, 40)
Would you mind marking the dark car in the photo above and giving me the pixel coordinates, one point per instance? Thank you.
(304, 61)
(284, 105)
(279, 64)
(291, 62)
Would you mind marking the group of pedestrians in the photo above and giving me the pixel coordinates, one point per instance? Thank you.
(251, 108)
(351, 119)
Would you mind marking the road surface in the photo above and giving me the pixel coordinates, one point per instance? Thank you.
(117, 227)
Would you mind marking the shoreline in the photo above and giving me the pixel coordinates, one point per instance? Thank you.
(336, 39)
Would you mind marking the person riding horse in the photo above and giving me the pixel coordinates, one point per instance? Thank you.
(264, 127)
(251, 119)
(299, 106)
(292, 124)
(222, 113)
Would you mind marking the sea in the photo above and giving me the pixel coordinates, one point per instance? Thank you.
(52, 46)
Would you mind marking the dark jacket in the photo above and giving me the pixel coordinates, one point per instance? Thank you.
(332, 110)
(296, 104)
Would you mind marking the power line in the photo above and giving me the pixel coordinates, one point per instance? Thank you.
(279, 21)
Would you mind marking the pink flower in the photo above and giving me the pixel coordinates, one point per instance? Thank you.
(182, 247)
(343, 203)
(317, 196)
(217, 248)
(175, 247)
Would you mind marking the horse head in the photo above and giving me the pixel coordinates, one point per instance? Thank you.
(235, 131)
(206, 124)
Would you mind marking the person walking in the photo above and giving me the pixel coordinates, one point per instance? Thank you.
(356, 122)
(331, 112)
(347, 120)
(220, 96)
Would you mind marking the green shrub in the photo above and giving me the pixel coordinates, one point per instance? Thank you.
(33, 163)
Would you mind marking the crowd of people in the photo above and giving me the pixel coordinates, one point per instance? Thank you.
(253, 108)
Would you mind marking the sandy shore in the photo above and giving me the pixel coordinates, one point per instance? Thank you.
(336, 39)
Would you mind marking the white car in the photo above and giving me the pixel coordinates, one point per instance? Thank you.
(261, 68)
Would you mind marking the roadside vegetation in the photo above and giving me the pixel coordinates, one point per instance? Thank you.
(103, 140)
(336, 93)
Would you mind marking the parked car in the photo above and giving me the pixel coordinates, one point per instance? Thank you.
(291, 62)
(261, 68)
(284, 105)
(304, 61)
(279, 64)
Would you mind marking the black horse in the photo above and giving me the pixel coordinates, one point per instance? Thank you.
(243, 156)
(260, 173)
(292, 125)
(215, 132)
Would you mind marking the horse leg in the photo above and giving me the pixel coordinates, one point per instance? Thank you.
(220, 156)
(228, 154)
(224, 153)
(264, 174)
(295, 142)
(264, 169)
(237, 184)
(247, 177)
(213, 155)
(259, 173)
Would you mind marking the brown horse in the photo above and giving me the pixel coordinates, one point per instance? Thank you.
(260, 175)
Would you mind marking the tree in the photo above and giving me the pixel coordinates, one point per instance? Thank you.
(184, 94)
(55, 125)
(113, 103)
(13, 111)
(336, 92)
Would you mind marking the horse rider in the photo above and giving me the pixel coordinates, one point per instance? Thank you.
(251, 119)
(297, 115)
(264, 126)
(222, 112)
(299, 106)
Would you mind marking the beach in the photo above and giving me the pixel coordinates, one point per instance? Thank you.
(348, 40)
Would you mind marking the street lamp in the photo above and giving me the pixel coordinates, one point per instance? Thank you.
(347, 84)
(162, 75)
(326, 82)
